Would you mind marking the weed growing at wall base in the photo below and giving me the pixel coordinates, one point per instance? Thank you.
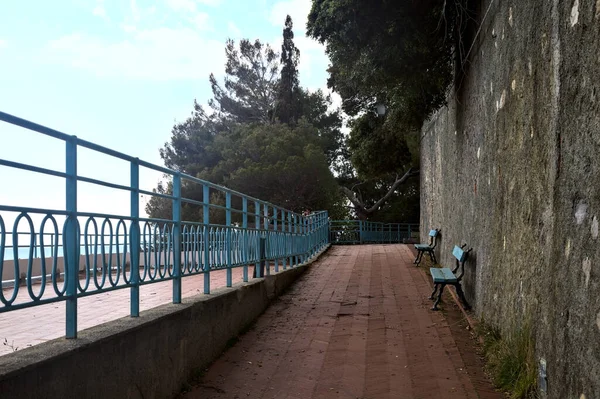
(510, 360)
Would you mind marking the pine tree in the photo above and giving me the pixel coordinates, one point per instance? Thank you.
(287, 104)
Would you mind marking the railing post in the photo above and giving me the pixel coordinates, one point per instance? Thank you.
(296, 239)
(246, 235)
(263, 254)
(228, 234)
(177, 238)
(325, 235)
(409, 233)
(311, 236)
(206, 221)
(290, 240)
(257, 268)
(284, 241)
(276, 239)
(360, 231)
(134, 252)
(316, 231)
(266, 235)
(326, 229)
(70, 240)
(305, 241)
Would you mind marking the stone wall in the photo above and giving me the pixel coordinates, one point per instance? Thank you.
(512, 167)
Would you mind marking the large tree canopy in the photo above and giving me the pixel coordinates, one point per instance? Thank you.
(400, 54)
(266, 136)
(282, 163)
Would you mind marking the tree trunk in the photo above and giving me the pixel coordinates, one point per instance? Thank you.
(362, 212)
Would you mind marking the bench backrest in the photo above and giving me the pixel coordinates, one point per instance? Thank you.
(433, 234)
(459, 254)
(461, 257)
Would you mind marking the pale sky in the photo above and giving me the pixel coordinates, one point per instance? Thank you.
(119, 73)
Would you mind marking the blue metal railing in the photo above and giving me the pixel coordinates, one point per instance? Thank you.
(365, 232)
(70, 254)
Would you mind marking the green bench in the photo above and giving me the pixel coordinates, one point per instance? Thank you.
(444, 276)
(427, 248)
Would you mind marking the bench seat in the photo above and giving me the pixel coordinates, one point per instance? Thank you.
(443, 275)
(427, 248)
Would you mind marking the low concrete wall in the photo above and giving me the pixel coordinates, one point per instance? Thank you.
(151, 356)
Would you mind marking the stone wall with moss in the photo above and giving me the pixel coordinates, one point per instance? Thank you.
(512, 167)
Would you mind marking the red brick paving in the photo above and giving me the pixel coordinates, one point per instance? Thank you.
(32, 326)
(357, 325)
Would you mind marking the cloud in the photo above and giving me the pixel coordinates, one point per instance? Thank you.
(3, 43)
(233, 29)
(99, 11)
(189, 11)
(182, 5)
(209, 2)
(154, 54)
(135, 11)
(201, 21)
(190, 5)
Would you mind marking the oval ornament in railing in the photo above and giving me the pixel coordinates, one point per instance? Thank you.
(122, 262)
(16, 233)
(55, 273)
(107, 266)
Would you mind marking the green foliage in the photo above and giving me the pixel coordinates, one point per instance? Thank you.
(376, 149)
(249, 91)
(266, 137)
(379, 155)
(191, 147)
(400, 52)
(284, 164)
(287, 106)
(404, 206)
(511, 361)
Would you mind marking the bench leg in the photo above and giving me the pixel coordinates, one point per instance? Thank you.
(432, 257)
(439, 298)
(435, 288)
(419, 256)
(461, 295)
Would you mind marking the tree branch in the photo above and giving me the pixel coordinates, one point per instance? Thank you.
(358, 203)
(352, 197)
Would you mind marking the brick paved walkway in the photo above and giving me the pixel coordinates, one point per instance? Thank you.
(356, 326)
